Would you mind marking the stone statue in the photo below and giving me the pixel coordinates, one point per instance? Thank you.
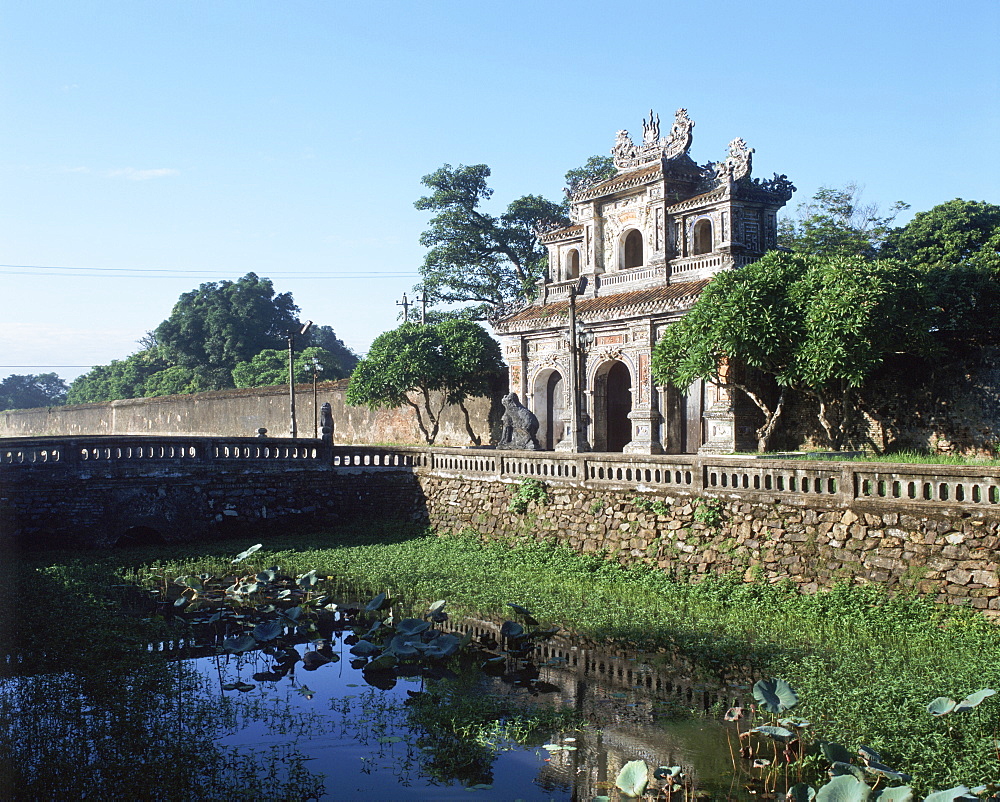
(518, 426)
(326, 422)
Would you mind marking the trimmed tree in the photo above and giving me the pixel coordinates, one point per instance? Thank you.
(456, 358)
(819, 325)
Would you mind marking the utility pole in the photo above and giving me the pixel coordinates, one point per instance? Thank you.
(406, 308)
(291, 373)
(423, 308)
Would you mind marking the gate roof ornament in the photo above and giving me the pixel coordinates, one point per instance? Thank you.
(629, 156)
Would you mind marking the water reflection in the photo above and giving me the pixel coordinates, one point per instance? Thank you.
(432, 738)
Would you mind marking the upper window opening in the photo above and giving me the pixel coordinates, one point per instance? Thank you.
(633, 249)
(702, 237)
(573, 264)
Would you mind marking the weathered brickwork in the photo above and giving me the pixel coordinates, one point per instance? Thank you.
(953, 558)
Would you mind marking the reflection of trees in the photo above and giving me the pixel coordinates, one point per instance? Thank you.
(87, 712)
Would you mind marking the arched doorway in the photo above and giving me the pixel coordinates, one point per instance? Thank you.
(632, 250)
(618, 406)
(548, 405)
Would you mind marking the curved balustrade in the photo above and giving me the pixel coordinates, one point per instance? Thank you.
(106, 451)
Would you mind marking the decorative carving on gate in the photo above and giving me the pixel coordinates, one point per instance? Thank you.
(628, 156)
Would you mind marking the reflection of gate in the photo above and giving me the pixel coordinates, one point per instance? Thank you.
(547, 403)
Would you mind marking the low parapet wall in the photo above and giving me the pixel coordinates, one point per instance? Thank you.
(930, 528)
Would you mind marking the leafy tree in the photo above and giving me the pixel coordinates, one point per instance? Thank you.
(270, 367)
(474, 257)
(595, 170)
(221, 323)
(837, 223)
(456, 358)
(174, 380)
(821, 325)
(122, 378)
(30, 391)
(952, 233)
(324, 337)
(745, 315)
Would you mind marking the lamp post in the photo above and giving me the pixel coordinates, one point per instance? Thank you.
(291, 372)
(317, 368)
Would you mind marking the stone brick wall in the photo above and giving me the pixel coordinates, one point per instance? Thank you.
(953, 557)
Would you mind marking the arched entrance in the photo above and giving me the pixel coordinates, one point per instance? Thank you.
(548, 405)
(612, 405)
(619, 404)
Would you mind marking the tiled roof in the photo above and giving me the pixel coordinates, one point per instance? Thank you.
(633, 178)
(561, 233)
(605, 307)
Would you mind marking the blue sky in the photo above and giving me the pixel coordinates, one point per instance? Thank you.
(153, 146)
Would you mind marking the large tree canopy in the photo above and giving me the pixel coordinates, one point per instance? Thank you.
(837, 223)
(456, 358)
(490, 263)
(210, 331)
(29, 391)
(818, 324)
(219, 324)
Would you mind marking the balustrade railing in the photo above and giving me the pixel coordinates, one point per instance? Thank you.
(133, 451)
(797, 480)
(632, 275)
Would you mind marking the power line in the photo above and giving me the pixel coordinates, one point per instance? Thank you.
(140, 273)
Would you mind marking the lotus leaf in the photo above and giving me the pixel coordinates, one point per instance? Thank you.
(244, 554)
(667, 772)
(958, 792)
(901, 793)
(380, 602)
(267, 631)
(267, 576)
(189, 582)
(841, 769)
(312, 660)
(734, 714)
(801, 793)
(777, 733)
(511, 629)
(405, 646)
(835, 753)
(775, 695)
(973, 700)
(878, 768)
(517, 608)
(844, 789)
(364, 648)
(238, 686)
(307, 580)
(412, 626)
(437, 607)
(941, 706)
(633, 778)
(244, 643)
(868, 754)
(382, 663)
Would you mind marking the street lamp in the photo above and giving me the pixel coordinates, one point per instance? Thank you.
(317, 368)
(291, 372)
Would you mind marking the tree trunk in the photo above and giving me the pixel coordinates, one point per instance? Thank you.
(770, 415)
(476, 441)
